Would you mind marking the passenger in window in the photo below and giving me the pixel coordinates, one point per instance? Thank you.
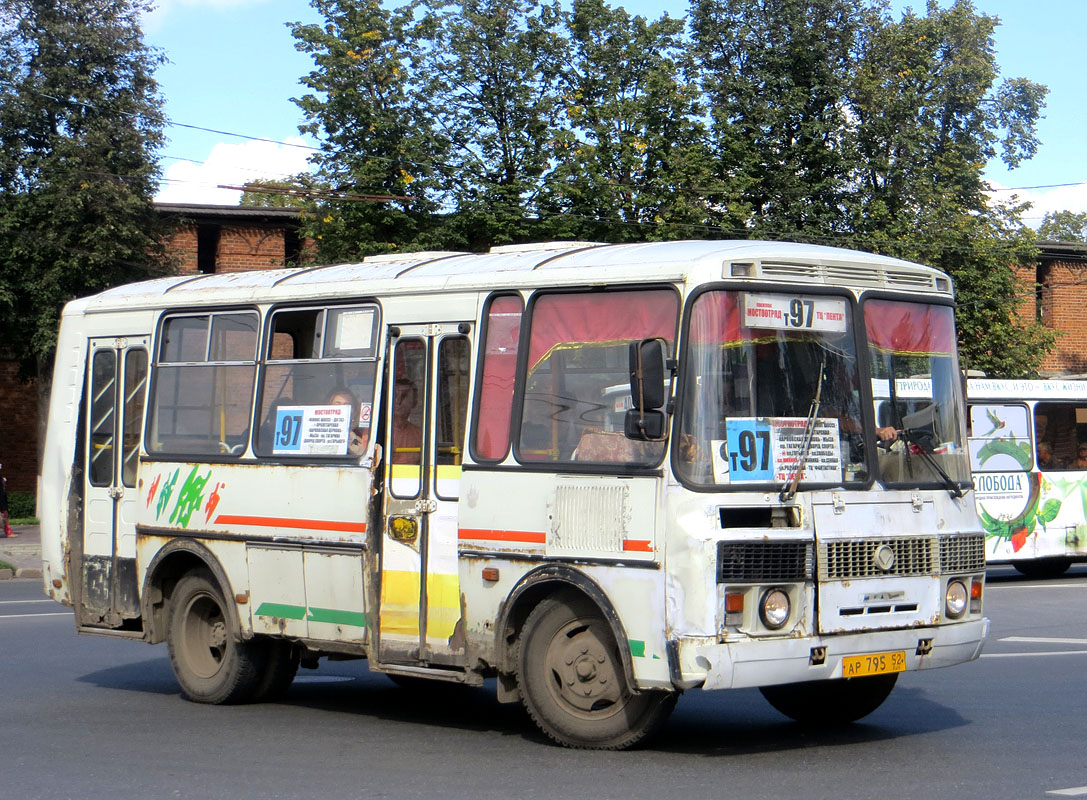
(1081, 458)
(357, 436)
(1045, 456)
(407, 436)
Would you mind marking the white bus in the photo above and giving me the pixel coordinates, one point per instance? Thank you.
(1028, 452)
(424, 460)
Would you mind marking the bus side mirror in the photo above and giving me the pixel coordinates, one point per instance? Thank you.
(648, 363)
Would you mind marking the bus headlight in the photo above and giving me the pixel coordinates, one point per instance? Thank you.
(774, 609)
(955, 599)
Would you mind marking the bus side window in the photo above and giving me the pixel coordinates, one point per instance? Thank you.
(578, 362)
(204, 380)
(320, 361)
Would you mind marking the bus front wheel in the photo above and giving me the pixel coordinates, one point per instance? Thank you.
(572, 682)
(210, 664)
(833, 702)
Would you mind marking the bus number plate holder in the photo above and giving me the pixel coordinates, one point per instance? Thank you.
(874, 664)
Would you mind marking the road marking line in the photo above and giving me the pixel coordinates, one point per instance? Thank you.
(1042, 640)
(991, 586)
(1078, 791)
(1048, 653)
(13, 602)
(27, 616)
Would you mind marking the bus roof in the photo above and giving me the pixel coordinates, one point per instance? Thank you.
(515, 266)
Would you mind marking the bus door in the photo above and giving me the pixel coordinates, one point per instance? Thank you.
(113, 410)
(427, 398)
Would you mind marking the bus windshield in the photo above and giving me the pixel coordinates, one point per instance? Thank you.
(772, 391)
(918, 391)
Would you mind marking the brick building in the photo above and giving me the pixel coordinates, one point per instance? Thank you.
(207, 239)
(1061, 304)
(232, 238)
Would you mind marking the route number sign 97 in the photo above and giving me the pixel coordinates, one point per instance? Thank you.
(797, 312)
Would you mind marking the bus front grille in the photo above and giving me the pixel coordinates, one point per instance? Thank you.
(763, 562)
(962, 553)
(848, 559)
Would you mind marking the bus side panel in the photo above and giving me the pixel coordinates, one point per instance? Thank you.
(297, 536)
(604, 527)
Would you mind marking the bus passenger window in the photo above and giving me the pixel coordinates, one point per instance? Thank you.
(317, 388)
(578, 378)
(498, 352)
(203, 392)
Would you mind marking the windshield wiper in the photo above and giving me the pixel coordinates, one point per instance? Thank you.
(788, 491)
(910, 436)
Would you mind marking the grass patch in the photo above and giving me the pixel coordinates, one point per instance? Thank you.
(22, 520)
(6, 565)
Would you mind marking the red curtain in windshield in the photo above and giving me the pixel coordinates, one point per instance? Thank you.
(909, 329)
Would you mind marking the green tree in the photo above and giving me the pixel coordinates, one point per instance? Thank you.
(80, 126)
(491, 71)
(1063, 226)
(294, 192)
(630, 160)
(775, 76)
(928, 117)
(367, 110)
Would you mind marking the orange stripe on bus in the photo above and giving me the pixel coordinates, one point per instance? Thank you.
(638, 545)
(281, 522)
(529, 537)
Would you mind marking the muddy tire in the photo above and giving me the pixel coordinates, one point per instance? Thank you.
(210, 664)
(572, 682)
(835, 702)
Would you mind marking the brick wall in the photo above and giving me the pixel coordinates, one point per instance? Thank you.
(250, 248)
(1064, 309)
(182, 247)
(19, 434)
(239, 248)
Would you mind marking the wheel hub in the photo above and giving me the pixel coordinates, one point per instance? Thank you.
(585, 676)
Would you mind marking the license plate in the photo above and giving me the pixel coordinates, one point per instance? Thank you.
(874, 664)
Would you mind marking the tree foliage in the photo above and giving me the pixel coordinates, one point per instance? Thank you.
(293, 192)
(80, 125)
(1063, 226)
(829, 121)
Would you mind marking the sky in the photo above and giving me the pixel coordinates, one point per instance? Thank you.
(233, 70)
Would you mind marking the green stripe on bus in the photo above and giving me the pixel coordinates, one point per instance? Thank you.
(281, 610)
(331, 615)
(637, 648)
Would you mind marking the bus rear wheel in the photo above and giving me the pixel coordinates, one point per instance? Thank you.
(572, 683)
(834, 702)
(210, 664)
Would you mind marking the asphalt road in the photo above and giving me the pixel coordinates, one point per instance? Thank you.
(96, 717)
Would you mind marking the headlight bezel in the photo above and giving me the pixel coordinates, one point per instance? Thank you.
(774, 616)
(955, 605)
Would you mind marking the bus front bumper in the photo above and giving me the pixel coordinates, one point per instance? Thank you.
(766, 661)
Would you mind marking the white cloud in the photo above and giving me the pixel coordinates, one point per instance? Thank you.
(232, 165)
(1044, 201)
